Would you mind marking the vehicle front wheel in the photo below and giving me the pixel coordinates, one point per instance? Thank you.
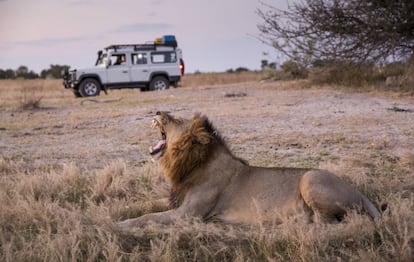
(159, 83)
(89, 87)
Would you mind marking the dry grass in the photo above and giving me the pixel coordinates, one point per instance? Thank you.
(392, 77)
(68, 171)
(208, 79)
(29, 98)
(66, 214)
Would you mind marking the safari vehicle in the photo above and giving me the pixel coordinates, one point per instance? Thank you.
(151, 66)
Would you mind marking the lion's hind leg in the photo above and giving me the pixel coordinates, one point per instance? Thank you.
(327, 195)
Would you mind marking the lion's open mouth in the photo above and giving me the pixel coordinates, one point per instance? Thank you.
(157, 150)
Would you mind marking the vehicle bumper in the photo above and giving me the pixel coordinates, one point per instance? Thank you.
(175, 79)
(68, 84)
(69, 79)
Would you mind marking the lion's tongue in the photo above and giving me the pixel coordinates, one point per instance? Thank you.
(156, 149)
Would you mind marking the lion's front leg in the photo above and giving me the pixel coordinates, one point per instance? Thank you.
(198, 203)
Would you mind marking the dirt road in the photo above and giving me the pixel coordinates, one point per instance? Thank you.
(263, 123)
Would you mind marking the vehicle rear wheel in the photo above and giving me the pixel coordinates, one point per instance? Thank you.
(159, 83)
(89, 87)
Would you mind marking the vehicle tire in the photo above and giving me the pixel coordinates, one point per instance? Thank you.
(89, 87)
(159, 83)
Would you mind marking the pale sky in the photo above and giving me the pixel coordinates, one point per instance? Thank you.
(215, 35)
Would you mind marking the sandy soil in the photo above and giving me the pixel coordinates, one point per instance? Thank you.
(263, 123)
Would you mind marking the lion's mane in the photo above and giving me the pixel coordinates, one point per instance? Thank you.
(190, 151)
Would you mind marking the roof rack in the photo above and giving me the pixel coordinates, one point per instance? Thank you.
(140, 47)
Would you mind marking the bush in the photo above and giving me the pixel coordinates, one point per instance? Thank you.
(268, 74)
(30, 98)
(352, 75)
(294, 69)
(289, 70)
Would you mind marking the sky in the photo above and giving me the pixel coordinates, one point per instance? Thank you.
(215, 35)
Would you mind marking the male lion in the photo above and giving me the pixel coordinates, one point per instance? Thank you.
(209, 182)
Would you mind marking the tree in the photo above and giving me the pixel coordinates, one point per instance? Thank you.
(340, 30)
(241, 70)
(23, 72)
(6, 74)
(10, 74)
(55, 71)
(31, 75)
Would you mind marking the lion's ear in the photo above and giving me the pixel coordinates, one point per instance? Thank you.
(202, 137)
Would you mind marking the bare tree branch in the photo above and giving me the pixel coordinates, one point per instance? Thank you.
(350, 30)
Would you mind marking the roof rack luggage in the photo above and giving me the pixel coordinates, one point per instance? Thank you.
(166, 40)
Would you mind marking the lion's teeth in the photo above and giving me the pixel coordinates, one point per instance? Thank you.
(154, 123)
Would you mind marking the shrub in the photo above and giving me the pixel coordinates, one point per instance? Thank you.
(289, 70)
(346, 74)
(268, 74)
(394, 75)
(30, 98)
(294, 69)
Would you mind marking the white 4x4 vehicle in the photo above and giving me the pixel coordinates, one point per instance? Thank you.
(150, 66)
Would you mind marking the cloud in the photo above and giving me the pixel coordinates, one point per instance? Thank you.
(140, 27)
(55, 41)
(80, 2)
(157, 2)
(47, 42)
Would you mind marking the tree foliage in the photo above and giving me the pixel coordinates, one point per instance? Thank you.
(54, 71)
(23, 72)
(7, 74)
(340, 30)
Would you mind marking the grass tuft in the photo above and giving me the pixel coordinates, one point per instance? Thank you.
(30, 97)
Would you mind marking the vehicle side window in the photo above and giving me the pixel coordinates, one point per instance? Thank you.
(163, 57)
(139, 59)
(118, 59)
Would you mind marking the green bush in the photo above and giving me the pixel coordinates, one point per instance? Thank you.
(294, 69)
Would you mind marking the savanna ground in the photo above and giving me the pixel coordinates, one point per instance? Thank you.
(71, 167)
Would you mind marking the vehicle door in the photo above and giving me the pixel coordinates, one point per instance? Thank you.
(139, 68)
(119, 70)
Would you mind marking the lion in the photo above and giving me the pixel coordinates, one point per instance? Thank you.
(210, 183)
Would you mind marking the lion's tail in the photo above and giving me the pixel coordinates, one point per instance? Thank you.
(371, 209)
